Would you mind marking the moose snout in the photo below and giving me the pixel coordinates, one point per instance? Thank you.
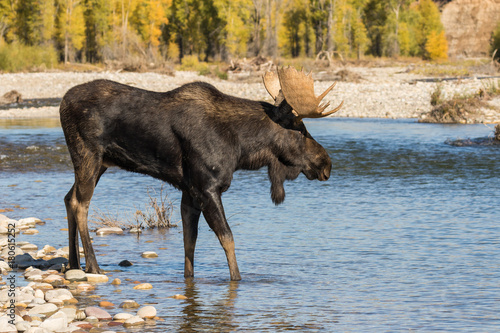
(323, 176)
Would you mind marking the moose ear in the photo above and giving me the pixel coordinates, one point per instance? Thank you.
(272, 84)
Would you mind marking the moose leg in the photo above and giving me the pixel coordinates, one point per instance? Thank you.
(216, 219)
(77, 205)
(190, 213)
(74, 253)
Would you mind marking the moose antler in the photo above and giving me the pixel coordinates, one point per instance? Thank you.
(298, 90)
(272, 84)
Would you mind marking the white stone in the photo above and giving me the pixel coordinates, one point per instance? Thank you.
(55, 324)
(43, 309)
(147, 311)
(133, 321)
(122, 316)
(23, 326)
(96, 277)
(58, 294)
(108, 231)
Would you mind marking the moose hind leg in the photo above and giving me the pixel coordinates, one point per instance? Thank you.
(190, 212)
(79, 202)
(74, 253)
(216, 219)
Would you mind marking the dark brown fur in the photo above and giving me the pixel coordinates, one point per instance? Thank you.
(193, 137)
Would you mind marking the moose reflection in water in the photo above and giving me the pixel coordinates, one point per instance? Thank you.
(193, 137)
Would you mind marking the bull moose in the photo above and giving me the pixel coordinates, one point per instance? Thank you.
(193, 137)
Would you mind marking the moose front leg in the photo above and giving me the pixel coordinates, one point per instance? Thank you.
(190, 212)
(216, 219)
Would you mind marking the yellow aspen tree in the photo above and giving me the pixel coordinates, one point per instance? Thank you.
(71, 27)
(437, 46)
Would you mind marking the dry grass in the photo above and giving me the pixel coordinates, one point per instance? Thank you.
(462, 109)
(156, 214)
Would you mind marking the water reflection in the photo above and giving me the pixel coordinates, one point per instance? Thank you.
(216, 317)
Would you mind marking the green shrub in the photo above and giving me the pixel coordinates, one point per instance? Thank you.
(16, 57)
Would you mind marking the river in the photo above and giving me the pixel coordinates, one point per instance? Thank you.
(403, 237)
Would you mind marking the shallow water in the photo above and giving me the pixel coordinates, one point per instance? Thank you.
(403, 237)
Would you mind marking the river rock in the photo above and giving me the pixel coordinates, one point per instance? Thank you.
(22, 326)
(149, 254)
(57, 322)
(129, 304)
(85, 287)
(6, 326)
(116, 282)
(100, 314)
(58, 294)
(122, 316)
(108, 231)
(70, 313)
(43, 309)
(96, 277)
(133, 321)
(75, 275)
(125, 263)
(31, 232)
(29, 247)
(48, 249)
(106, 304)
(143, 286)
(54, 279)
(147, 311)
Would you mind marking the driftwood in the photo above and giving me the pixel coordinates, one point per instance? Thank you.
(11, 97)
(257, 64)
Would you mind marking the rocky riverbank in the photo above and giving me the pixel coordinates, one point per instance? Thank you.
(35, 296)
(386, 92)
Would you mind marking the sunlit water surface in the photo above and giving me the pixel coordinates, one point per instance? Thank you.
(403, 237)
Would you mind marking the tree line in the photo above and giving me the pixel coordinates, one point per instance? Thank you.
(219, 30)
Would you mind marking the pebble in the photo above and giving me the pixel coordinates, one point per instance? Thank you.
(109, 231)
(97, 278)
(129, 304)
(46, 305)
(143, 286)
(122, 316)
(106, 304)
(149, 254)
(100, 314)
(125, 263)
(133, 321)
(75, 275)
(147, 311)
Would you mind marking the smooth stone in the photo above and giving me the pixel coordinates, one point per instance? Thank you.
(31, 232)
(134, 321)
(29, 247)
(58, 321)
(100, 314)
(143, 286)
(129, 304)
(147, 311)
(38, 301)
(149, 254)
(85, 287)
(48, 249)
(23, 326)
(125, 263)
(108, 231)
(122, 316)
(80, 315)
(58, 294)
(70, 313)
(43, 309)
(39, 294)
(53, 278)
(96, 278)
(75, 275)
(179, 296)
(116, 282)
(30, 221)
(106, 304)
(7, 327)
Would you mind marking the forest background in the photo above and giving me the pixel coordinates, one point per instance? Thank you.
(48, 32)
